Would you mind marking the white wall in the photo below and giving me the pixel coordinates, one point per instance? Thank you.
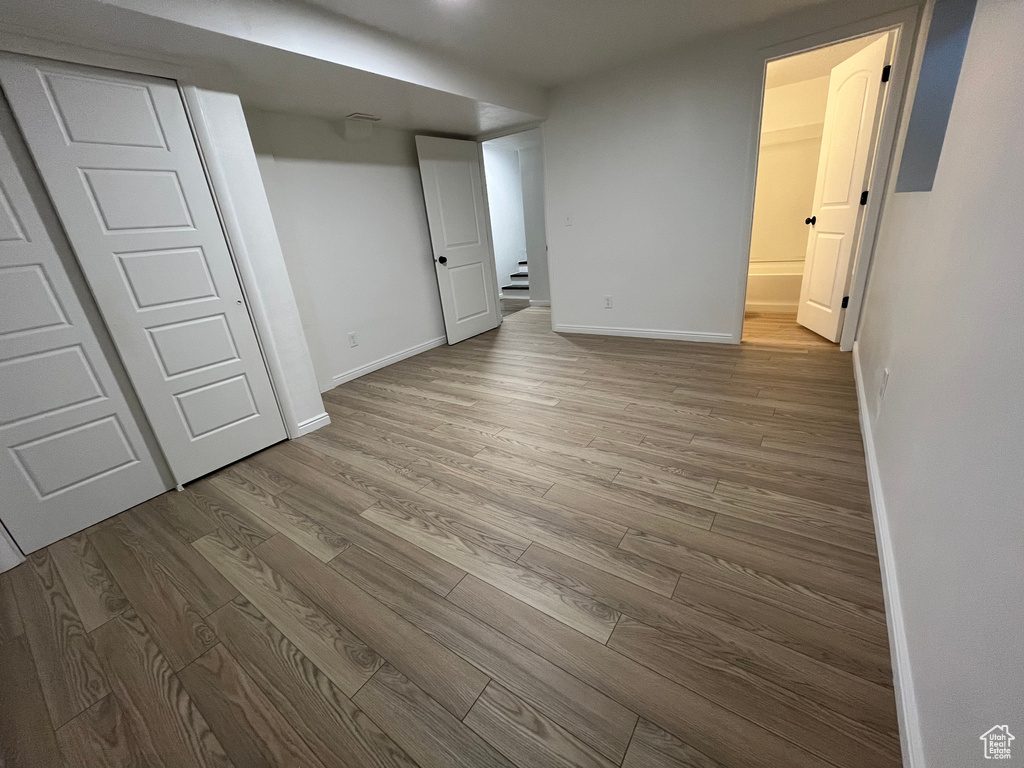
(654, 164)
(943, 314)
(354, 234)
(787, 168)
(505, 202)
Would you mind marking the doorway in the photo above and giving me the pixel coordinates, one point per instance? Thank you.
(513, 169)
(819, 136)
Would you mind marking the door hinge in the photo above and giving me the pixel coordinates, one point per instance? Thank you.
(886, 71)
(864, 197)
(846, 301)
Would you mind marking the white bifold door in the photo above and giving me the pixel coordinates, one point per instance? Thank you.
(453, 190)
(73, 451)
(118, 158)
(851, 118)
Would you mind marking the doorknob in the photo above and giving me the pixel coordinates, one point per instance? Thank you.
(812, 220)
(442, 260)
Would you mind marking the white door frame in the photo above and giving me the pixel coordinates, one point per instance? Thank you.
(242, 207)
(905, 23)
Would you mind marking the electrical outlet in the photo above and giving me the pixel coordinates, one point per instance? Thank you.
(352, 340)
(568, 220)
(607, 302)
(883, 385)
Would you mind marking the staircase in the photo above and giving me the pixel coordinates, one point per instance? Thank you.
(519, 288)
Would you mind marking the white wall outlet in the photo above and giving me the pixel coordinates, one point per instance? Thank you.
(883, 385)
(607, 302)
(352, 340)
(568, 220)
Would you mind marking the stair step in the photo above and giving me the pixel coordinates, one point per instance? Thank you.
(516, 287)
(519, 274)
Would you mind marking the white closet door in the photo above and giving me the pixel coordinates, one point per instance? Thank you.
(116, 153)
(71, 451)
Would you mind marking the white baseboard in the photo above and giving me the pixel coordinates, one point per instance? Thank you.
(788, 307)
(906, 703)
(313, 424)
(540, 303)
(10, 555)
(376, 365)
(648, 333)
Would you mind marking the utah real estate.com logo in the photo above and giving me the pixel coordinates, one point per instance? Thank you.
(997, 742)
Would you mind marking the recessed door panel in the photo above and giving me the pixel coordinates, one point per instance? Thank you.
(193, 345)
(30, 300)
(92, 111)
(162, 278)
(71, 447)
(453, 190)
(59, 462)
(39, 384)
(133, 201)
(133, 197)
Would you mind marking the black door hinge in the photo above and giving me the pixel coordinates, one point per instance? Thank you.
(886, 71)
(864, 197)
(846, 301)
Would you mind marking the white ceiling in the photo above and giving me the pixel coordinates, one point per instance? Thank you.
(549, 42)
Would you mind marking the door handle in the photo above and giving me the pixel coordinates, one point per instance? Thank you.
(442, 260)
(812, 220)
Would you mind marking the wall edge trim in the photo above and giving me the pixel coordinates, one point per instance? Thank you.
(906, 703)
(311, 425)
(647, 333)
(383, 362)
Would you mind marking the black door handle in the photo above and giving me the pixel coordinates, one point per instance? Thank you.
(812, 220)
(442, 260)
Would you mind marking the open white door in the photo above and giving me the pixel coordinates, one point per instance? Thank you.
(117, 155)
(453, 190)
(854, 103)
(71, 449)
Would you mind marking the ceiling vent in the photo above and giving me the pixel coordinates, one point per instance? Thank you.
(359, 126)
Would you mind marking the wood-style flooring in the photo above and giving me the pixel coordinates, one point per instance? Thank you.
(526, 550)
(779, 329)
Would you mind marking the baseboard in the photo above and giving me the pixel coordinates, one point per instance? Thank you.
(906, 703)
(648, 333)
(384, 362)
(785, 307)
(311, 425)
(540, 303)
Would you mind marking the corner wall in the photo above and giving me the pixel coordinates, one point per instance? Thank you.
(354, 233)
(649, 182)
(942, 314)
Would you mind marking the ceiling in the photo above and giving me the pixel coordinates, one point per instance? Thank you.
(549, 42)
(814, 64)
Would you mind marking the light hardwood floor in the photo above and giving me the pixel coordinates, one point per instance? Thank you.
(779, 329)
(528, 549)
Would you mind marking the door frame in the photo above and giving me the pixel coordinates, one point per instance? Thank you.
(904, 23)
(241, 206)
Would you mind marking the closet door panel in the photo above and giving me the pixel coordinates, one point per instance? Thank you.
(119, 159)
(71, 449)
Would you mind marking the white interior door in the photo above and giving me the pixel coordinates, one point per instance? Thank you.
(117, 155)
(453, 189)
(71, 449)
(854, 103)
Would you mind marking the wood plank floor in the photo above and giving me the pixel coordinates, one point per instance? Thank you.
(526, 550)
(780, 329)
